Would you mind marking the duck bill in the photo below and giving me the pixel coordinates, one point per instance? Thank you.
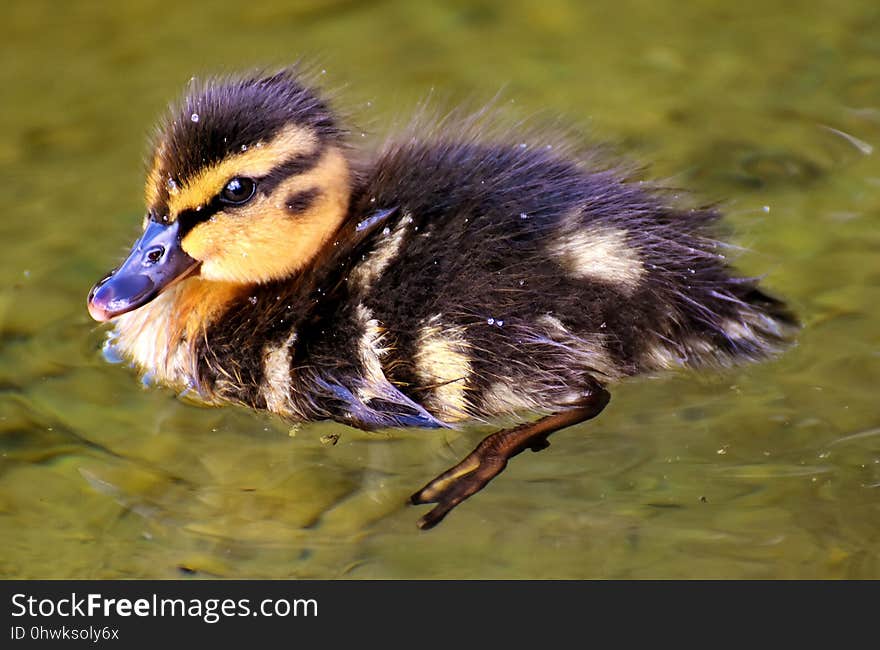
(155, 263)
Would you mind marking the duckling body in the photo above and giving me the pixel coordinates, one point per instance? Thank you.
(440, 280)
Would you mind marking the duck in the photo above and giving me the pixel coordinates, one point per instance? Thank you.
(451, 274)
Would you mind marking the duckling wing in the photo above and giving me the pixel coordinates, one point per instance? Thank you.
(377, 406)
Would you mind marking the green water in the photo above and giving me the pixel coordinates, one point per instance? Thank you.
(770, 471)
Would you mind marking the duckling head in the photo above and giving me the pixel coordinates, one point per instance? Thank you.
(248, 181)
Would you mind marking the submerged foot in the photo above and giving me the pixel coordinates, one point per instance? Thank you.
(490, 457)
(456, 484)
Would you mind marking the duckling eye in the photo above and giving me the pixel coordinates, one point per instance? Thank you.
(239, 190)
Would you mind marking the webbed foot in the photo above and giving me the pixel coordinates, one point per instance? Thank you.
(458, 483)
(490, 457)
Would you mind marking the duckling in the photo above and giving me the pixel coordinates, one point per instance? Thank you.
(445, 278)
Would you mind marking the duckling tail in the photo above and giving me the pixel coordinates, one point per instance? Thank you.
(776, 309)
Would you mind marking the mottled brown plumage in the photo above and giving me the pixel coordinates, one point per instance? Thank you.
(449, 276)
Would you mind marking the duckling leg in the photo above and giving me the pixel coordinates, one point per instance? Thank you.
(490, 457)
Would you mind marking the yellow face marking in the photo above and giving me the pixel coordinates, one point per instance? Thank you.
(257, 160)
(154, 177)
(261, 241)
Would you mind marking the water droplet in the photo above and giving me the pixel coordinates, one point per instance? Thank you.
(523, 215)
(194, 117)
(522, 282)
(373, 200)
(499, 323)
(171, 184)
(252, 300)
(490, 321)
(386, 230)
(603, 325)
(244, 147)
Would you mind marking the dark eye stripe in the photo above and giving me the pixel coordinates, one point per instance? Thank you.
(188, 219)
(295, 166)
(301, 201)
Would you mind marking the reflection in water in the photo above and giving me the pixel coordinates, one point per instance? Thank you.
(767, 471)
